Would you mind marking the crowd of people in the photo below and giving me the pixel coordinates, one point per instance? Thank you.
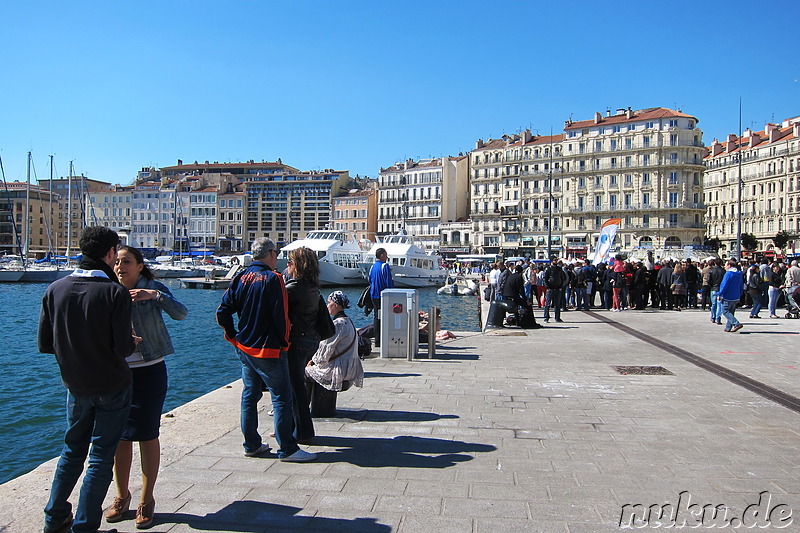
(622, 285)
(105, 325)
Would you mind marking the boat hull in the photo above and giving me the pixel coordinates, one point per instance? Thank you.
(11, 276)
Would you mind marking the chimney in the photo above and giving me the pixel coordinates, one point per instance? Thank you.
(796, 129)
(716, 148)
(479, 144)
(180, 162)
(629, 113)
(730, 144)
(597, 117)
(608, 112)
(526, 136)
(774, 133)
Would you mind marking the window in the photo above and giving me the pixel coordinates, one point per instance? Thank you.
(616, 129)
(673, 198)
(646, 141)
(646, 199)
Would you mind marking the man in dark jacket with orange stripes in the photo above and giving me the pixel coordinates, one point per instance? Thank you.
(261, 338)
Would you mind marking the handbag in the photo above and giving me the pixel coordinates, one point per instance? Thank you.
(325, 326)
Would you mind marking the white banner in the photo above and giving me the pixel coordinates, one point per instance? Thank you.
(607, 233)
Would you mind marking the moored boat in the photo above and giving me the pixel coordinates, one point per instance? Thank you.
(458, 285)
(339, 255)
(411, 265)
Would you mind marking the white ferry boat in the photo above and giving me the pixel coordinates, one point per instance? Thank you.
(411, 265)
(339, 255)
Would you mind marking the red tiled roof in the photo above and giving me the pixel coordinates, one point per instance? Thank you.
(784, 134)
(651, 113)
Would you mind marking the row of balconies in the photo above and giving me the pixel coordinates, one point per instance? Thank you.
(635, 207)
(749, 156)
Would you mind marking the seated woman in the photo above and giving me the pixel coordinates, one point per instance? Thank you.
(336, 360)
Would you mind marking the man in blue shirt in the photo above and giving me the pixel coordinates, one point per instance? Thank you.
(380, 278)
(730, 290)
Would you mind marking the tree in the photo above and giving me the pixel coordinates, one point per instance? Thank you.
(749, 241)
(782, 238)
(714, 243)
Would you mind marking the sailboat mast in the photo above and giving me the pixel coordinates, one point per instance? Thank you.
(69, 209)
(27, 209)
(53, 245)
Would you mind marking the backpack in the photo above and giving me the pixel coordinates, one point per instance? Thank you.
(580, 279)
(364, 346)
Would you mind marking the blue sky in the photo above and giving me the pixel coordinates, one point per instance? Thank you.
(357, 86)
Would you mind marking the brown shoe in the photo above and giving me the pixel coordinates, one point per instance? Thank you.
(144, 514)
(118, 508)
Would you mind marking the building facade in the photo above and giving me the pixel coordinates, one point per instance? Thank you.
(768, 163)
(356, 212)
(532, 194)
(43, 209)
(111, 208)
(645, 167)
(418, 196)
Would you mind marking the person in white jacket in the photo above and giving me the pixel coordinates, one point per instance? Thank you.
(336, 364)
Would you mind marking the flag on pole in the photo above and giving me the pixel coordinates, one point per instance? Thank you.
(607, 233)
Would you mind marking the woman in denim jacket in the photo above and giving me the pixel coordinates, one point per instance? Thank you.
(150, 298)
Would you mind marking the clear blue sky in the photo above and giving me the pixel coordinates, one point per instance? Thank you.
(357, 86)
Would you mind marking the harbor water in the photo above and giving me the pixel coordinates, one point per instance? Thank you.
(32, 397)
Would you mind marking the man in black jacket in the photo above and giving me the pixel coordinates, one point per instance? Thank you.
(86, 322)
(554, 279)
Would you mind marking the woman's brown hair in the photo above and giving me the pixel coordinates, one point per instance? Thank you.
(306, 264)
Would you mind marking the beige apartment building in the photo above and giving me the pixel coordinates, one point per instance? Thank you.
(512, 202)
(73, 212)
(43, 209)
(111, 208)
(644, 167)
(357, 212)
(768, 162)
(418, 196)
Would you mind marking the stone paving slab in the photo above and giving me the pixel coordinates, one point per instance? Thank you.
(502, 431)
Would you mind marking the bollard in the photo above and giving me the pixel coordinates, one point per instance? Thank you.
(497, 313)
(433, 327)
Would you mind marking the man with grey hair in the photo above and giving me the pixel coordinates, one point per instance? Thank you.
(258, 296)
(793, 277)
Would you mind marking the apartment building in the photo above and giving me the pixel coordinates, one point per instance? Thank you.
(768, 162)
(111, 208)
(356, 212)
(231, 221)
(418, 196)
(72, 213)
(643, 166)
(531, 193)
(283, 203)
(516, 195)
(42, 211)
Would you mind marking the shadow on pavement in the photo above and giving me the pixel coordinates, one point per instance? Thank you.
(389, 375)
(403, 452)
(377, 415)
(249, 516)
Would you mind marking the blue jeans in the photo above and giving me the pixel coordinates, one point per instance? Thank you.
(274, 373)
(728, 309)
(716, 306)
(756, 303)
(774, 293)
(95, 420)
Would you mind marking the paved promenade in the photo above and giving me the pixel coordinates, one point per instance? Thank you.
(507, 431)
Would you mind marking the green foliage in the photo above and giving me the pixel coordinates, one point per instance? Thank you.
(714, 242)
(782, 238)
(749, 241)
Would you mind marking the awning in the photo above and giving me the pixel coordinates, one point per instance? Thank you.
(576, 235)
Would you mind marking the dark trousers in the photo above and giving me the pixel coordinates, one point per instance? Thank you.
(666, 298)
(376, 321)
(300, 353)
